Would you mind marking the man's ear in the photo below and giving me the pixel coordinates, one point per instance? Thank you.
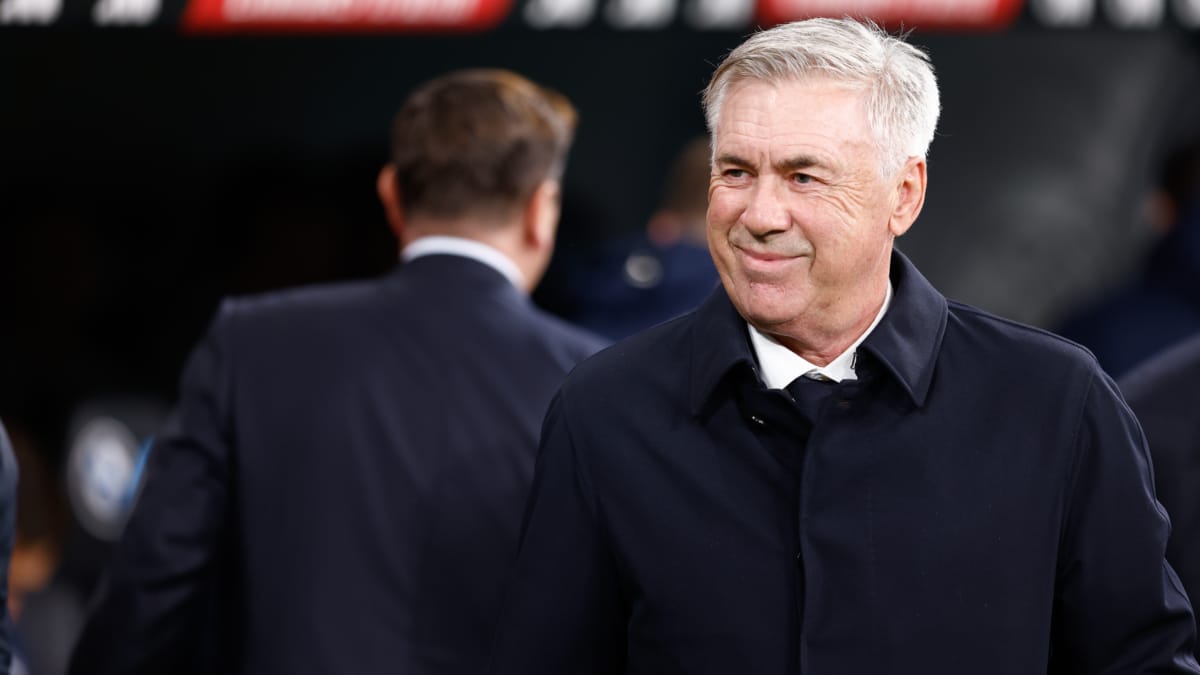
(910, 195)
(389, 195)
(540, 218)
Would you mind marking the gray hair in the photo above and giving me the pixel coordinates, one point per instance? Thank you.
(897, 77)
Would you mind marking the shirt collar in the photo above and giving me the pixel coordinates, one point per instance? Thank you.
(780, 365)
(906, 340)
(466, 248)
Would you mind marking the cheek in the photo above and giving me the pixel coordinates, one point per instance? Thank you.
(717, 224)
(724, 205)
(718, 250)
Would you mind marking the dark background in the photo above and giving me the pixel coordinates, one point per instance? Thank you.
(144, 174)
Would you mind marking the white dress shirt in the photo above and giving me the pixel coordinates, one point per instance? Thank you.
(778, 365)
(467, 248)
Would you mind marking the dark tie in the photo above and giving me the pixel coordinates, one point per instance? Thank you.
(808, 393)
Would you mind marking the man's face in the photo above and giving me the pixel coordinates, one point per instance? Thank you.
(799, 217)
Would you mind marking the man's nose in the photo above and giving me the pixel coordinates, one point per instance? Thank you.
(766, 213)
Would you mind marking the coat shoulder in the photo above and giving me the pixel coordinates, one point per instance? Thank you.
(1002, 341)
(315, 300)
(658, 355)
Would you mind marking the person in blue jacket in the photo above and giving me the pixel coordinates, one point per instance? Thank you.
(637, 281)
(8, 528)
(1161, 305)
(829, 467)
(1164, 393)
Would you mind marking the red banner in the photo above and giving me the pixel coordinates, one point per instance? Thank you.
(915, 14)
(226, 16)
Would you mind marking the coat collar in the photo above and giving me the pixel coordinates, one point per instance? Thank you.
(906, 341)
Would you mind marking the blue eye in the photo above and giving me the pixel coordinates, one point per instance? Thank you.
(802, 178)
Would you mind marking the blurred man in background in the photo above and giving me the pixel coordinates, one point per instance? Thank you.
(8, 512)
(46, 608)
(1164, 392)
(341, 486)
(639, 281)
(1162, 305)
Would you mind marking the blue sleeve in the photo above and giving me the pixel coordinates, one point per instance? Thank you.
(8, 512)
(149, 613)
(1119, 606)
(563, 612)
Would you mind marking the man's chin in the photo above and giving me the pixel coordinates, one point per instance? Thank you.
(767, 320)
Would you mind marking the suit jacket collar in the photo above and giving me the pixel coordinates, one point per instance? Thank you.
(450, 271)
(467, 248)
(906, 341)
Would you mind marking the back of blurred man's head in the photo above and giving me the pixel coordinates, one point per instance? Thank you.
(684, 204)
(478, 143)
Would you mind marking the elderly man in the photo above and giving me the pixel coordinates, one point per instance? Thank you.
(828, 467)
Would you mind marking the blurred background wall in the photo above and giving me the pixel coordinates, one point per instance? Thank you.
(146, 171)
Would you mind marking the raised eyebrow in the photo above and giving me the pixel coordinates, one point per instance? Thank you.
(796, 163)
(730, 160)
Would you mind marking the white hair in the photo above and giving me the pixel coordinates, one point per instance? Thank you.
(901, 90)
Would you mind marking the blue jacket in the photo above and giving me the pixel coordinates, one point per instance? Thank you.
(1158, 309)
(8, 517)
(341, 488)
(979, 502)
(1164, 393)
(634, 284)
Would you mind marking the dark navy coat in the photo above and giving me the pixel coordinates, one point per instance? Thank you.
(1164, 393)
(341, 488)
(978, 502)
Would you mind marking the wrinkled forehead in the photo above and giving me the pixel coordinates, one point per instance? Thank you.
(810, 105)
(804, 100)
(815, 122)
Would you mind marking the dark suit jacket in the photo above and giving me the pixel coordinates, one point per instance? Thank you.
(341, 488)
(1164, 392)
(978, 501)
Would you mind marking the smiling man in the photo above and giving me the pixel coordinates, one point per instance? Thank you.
(802, 215)
(829, 468)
